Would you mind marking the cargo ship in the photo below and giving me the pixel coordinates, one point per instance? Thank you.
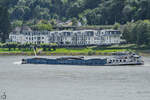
(117, 59)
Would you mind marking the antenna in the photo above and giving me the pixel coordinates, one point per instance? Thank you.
(34, 49)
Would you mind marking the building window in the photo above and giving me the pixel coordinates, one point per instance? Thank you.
(39, 38)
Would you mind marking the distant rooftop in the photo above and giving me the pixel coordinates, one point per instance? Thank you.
(26, 28)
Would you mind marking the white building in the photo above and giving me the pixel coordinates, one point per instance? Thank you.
(109, 37)
(66, 37)
(26, 35)
(83, 37)
(15, 35)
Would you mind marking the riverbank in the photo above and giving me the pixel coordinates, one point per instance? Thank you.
(87, 51)
(142, 53)
(64, 51)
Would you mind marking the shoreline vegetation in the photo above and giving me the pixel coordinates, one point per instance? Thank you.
(85, 51)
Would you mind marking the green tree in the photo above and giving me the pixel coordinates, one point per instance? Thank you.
(116, 26)
(5, 25)
(17, 23)
(138, 32)
(93, 12)
(42, 27)
(74, 22)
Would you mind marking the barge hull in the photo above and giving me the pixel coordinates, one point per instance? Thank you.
(92, 62)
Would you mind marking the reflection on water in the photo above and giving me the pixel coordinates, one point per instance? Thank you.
(61, 82)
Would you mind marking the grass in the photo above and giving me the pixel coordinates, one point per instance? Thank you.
(6, 50)
(64, 51)
(98, 27)
(83, 51)
(76, 51)
(86, 50)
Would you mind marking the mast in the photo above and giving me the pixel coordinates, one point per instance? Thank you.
(34, 49)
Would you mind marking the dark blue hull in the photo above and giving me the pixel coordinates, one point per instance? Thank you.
(93, 62)
(128, 59)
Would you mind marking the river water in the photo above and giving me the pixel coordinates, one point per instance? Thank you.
(59, 82)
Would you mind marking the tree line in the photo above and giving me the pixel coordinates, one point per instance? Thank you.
(5, 25)
(27, 46)
(43, 14)
(137, 32)
(90, 12)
